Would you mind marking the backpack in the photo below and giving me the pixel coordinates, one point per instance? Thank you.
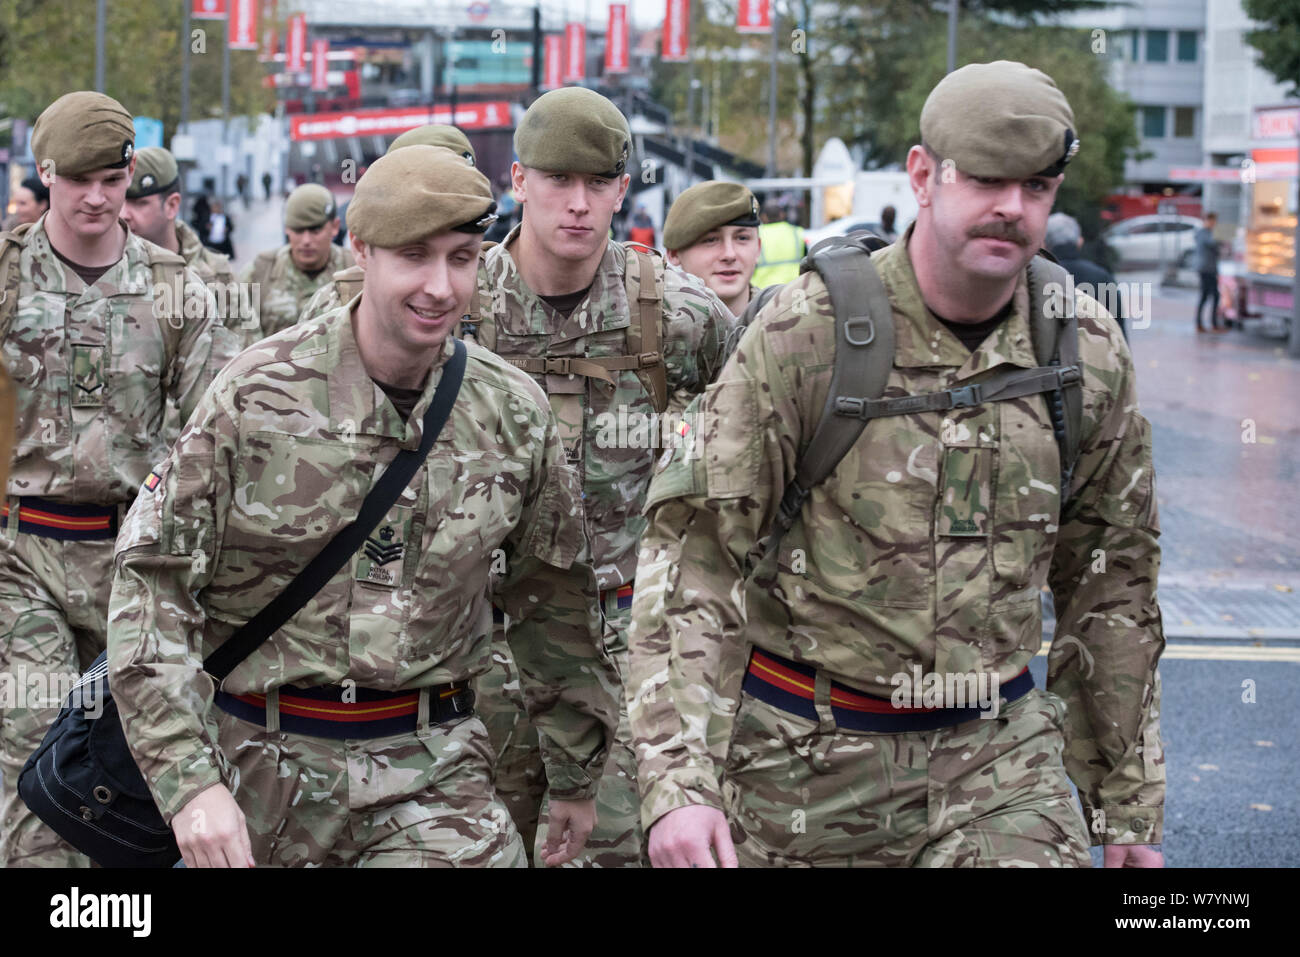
(864, 355)
(643, 278)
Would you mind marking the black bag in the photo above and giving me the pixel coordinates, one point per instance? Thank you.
(83, 782)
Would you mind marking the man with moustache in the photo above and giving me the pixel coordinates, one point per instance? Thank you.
(712, 232)
(763, 663)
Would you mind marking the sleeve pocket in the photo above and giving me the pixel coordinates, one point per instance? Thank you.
(731, 439)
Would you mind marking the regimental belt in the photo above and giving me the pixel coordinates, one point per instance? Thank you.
(341, 712)
(789, 686)
(71, 523)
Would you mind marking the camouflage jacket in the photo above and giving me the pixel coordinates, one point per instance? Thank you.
(287, 289)
(620, 434)
(238, 316)
(342, 287)
(278, 458)
(95, 368)
(928, 546)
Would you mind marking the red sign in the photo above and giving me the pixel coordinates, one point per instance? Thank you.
(270, 37)
(1277, 124)
(552, 62)
(616, 39)
(575, 52)
(241, 28)
(320, 64)
(295, 44)
(328, 126)
(754, 16)
(676, 31)
(208, 9)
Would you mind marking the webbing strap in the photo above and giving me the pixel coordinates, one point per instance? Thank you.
(1007, 385)
(643, 333)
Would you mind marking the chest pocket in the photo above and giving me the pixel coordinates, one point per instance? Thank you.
(1027, 498)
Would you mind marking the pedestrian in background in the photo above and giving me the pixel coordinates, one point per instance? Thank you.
(1065, 242)
(220, 226)
(1207, 265)
(31, 200)
(887, 232)
(642, 229)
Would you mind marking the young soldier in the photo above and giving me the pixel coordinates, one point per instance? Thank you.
(613, 338)
(153, 202)
(280, 455)
(287, 277)
(96, 357)
(922, 554)
(712, 232)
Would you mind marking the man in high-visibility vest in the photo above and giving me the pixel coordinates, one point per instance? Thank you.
(783, 247)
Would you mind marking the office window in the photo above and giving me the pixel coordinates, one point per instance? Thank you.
(1186, 46)
(1153, 122)
(1136, 35)
(1157, 46)
(1184, 121)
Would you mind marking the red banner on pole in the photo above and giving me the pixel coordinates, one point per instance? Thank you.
(616, 39)
(676, 31)
(754, 16)
(327, 126)
(295, 44)
(208, 9)
(552, 61)
(575, 52)
(241, 28)
(320, 53)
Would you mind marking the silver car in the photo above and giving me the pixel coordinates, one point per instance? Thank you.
(1152, 240)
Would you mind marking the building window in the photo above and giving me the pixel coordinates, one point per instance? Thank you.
(1186, 46)
(1184, 121)
(1157, 46)
(1136, 35)
(1153, 122)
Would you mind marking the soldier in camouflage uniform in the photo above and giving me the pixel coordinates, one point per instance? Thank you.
(764, 682)
(280, 455)
(287, 278)
(612, 337)
(97, 358)
(711, 231)
(153, 201)
(346, 283)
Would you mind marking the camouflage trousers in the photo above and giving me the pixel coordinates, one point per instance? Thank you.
(53, 607)
(422, 799)
(985, 793)
(521, 776)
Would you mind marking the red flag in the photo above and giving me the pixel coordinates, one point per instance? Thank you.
(552, 62)
(241, 28)
(320, 52)
(616, 39)
(676, 31)
(208, 9)
(575, 52)
(754, 16)
(295, 44)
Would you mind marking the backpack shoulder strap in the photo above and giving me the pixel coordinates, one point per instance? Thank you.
(480, 306)
(644, 278)
(864, 355)
(1055, 332)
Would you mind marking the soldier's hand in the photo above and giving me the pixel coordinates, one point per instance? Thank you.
(211, 831)
(685, 836)
(570, 824)
(1132, 855)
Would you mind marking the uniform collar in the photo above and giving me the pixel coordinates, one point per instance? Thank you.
(356, 403)
(921, 340)
(123, 277)
(606, 287)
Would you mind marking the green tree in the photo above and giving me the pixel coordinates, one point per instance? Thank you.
(1278, 40)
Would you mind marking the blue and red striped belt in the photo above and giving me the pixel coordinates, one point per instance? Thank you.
(788, 685)
(335, 711)
(69, 523)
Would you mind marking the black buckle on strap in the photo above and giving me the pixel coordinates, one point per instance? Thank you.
(791, 505)
(966, 396)
(850, 406)
(1068, 375)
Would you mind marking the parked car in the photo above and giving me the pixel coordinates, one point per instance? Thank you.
(1151, 240)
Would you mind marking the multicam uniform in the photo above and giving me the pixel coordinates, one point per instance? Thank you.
(928, 546)
(516, 324)
(280, 455)
(95, 369)
(284, 288)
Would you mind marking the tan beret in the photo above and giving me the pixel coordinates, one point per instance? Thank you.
(1002, 120)
(574, 130)
(417, 191)
(82, 132)
(155, 172)
(707, 206)
(436, 134)
(310, 206)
